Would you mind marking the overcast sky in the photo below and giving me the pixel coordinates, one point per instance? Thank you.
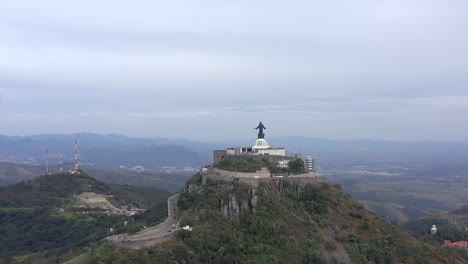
(210, 70)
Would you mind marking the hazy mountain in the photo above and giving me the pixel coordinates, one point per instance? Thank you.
(110, 151)
(373, 149)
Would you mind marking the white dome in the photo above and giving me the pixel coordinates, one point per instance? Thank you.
(261, 143)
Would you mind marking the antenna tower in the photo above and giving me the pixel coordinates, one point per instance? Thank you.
(61, 163)
(47, 160)
(77, 154)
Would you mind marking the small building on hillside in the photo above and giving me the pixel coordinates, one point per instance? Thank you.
(448, 243)
(309, 164)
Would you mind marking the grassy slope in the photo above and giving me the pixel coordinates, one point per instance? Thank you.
(450, 226)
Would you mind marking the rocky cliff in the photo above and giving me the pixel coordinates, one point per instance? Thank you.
(312, 218)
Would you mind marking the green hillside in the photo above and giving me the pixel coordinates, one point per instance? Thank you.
(451, 226)
(42, 219)
(282, 222)
(49, 190)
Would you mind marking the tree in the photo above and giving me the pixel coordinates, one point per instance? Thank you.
(296, 166)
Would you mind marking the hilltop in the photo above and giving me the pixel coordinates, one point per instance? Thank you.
(52, 217)
(400, 180)
(11, 173)
(278, 221)
(450, 226)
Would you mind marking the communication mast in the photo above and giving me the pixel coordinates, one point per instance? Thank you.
(61, 163)
(77, 155)
(47, 160)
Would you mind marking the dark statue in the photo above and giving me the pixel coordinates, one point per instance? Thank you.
(260, 128)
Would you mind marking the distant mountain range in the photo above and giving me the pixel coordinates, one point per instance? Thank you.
(109, 151)
(113, 150)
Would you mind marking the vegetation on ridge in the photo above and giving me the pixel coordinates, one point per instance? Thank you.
(282, 222)
(40, 222)
(450, 226)
(295, 166)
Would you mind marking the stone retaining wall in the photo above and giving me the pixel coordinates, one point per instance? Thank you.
(236, 174)
(219, 155)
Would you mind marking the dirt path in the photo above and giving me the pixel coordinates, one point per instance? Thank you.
(90, 199)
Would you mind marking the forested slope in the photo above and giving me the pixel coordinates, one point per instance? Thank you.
(278, 222)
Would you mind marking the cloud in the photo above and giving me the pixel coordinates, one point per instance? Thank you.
(213, 61)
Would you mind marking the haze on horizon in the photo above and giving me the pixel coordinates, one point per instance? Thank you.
(210, 70)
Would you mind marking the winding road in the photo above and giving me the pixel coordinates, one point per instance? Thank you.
(153, 235)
